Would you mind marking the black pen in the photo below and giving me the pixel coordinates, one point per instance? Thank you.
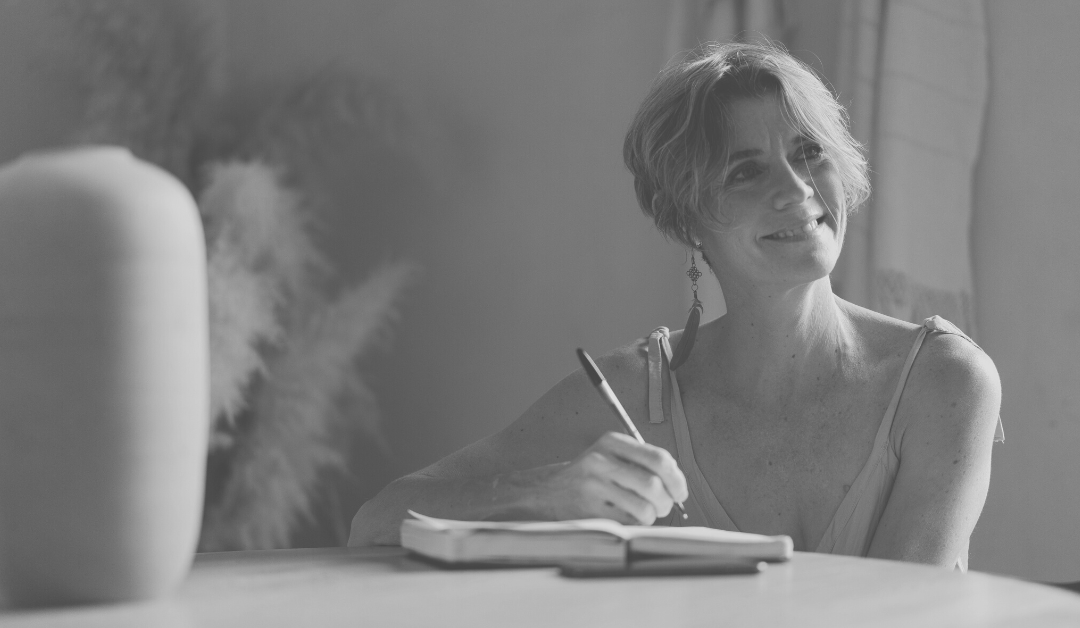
(597, 378)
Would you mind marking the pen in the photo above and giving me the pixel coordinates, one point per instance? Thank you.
(597, 378)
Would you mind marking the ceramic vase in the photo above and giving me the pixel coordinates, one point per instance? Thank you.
(103, 378)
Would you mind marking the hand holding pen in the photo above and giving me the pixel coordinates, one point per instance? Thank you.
(617, 477)
(597, 379)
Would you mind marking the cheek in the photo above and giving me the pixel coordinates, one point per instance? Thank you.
(841, 227)
(733, 247)
(734, 209)
(830, 189)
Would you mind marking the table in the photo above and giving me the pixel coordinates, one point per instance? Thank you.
(383, 587)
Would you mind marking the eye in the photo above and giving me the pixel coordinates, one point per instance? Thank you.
(743, 173)
(810, 152)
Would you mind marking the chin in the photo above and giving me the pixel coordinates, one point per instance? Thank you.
(811, 269)
(820, 258)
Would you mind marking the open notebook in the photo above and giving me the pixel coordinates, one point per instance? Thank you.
(555, 542)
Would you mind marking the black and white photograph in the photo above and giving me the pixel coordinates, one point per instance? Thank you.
(569, 313)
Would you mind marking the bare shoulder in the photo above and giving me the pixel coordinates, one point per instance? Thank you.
(626, 370)
(626, 367)
(953, 385)
(951, 366)
(572, 414)
(953, 392)
(622, 368)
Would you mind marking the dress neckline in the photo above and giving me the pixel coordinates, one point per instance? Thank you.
(701, 490)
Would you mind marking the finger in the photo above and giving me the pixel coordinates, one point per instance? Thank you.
(649, 487)
(653, 459)
(633, 478)
(625, 506)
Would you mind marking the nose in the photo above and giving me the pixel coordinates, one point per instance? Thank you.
(791, 187)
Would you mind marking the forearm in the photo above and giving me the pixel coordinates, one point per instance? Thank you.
(510, 495)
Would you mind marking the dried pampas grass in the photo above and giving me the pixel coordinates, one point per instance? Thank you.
(291, 371)
(297, 435)
(258, 256)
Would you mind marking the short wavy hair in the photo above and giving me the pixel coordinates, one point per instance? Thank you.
(675, 146)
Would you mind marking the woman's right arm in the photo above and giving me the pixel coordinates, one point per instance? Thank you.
(557, 461)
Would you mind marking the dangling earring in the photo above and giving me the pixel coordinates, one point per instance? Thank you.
(692, 321)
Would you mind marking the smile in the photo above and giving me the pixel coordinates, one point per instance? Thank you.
(797, 233)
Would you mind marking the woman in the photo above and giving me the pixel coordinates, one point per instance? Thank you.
(795, 413)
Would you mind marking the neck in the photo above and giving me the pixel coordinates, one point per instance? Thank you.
(771, 340)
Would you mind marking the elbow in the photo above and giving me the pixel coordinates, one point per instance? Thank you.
(378, 521)
(367, 530)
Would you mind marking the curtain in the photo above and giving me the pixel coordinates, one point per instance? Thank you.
(914, 76)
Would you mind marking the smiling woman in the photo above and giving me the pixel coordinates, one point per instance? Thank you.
(797, 412)
(689, 108)
(776, 166)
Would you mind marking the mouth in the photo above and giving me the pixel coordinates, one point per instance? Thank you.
(797, 233)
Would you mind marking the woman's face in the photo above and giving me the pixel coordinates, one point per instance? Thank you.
(781, 202)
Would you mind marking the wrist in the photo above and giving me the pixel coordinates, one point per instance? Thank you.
(523, 495)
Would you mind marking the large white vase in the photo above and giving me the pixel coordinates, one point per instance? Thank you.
(103, 378)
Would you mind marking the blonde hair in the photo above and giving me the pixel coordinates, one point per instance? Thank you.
(675, 146)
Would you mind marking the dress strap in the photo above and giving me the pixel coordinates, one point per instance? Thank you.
(886, 422)
(656, 373)
(940, 325)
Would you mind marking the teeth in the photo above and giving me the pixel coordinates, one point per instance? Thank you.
(809, 227)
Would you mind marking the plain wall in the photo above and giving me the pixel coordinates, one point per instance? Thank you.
(39, 104)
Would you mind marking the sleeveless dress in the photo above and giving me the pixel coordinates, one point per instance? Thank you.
(855, 521)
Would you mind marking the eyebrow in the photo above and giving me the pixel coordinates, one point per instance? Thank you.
(800, 139)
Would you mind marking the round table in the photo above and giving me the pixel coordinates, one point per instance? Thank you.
(383, 587)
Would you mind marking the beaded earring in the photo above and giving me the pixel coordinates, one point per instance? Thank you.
(692, 321)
